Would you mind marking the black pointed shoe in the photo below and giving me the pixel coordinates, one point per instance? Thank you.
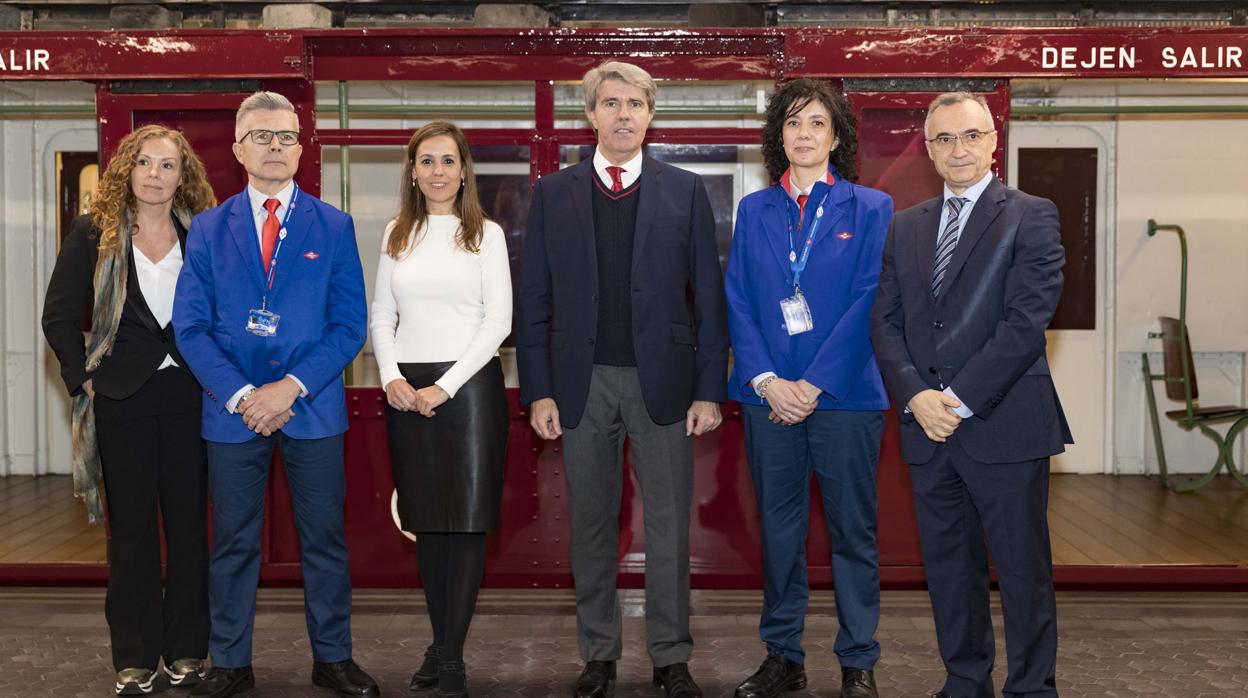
(776, 675)
(597, 680)
(858, 683)
(345, 677)
(676, 681)
(426, 676)
(221, 682)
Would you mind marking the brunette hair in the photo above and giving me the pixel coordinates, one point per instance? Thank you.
(114, 202)
(413, 211)
(790, 99)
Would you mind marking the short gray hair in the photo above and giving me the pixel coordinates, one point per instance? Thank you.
(624, 72)
(949, 99)
(262, 101)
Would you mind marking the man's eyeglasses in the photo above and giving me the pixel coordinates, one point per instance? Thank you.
(261, 136)
(970, 139)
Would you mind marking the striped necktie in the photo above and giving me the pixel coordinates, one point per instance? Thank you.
(947, 242)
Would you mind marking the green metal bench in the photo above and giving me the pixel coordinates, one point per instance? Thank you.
(1179, 375)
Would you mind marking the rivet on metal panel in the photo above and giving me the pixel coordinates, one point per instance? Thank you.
(355, 413)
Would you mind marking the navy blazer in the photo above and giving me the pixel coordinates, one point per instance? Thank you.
(984, 336)
(680, 335)
(839, 285)
(318, 291)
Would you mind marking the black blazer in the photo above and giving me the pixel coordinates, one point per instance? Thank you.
(984, 336)
(680, 330)
(141, 345)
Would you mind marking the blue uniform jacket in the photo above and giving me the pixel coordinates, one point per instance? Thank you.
(839, 284)
(318, 290)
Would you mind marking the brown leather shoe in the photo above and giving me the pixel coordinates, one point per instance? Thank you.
(676, 682)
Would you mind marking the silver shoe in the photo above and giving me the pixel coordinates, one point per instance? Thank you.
(185, 672)
(134, 682)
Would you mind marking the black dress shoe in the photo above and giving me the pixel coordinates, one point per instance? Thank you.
(858, 683)
(452, 680)
(597, 680)
(776, 675)
(345, 677)
(223, 683)
(427, 675)
(676, 682)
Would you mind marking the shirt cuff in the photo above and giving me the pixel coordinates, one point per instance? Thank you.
(961, 410)
(231, 405)
(303, 389)
(756, 380)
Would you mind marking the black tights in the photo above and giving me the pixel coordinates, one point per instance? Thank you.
(451, 566)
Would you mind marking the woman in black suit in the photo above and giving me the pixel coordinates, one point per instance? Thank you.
(136, 407)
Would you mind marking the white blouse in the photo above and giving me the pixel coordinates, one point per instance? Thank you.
(440, 303)
(157, 281)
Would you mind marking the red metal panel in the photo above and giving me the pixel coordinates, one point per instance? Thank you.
(1018, 52)
(541, 54)
(146, 55)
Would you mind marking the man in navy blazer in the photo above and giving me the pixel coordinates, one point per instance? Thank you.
(969, 283)
(268, 312)
(622, 332)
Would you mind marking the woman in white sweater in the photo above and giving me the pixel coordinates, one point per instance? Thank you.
(441, 309)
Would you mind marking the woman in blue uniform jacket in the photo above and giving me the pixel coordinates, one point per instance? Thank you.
(811, 395)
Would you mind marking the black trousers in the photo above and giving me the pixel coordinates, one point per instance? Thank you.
(154, 471)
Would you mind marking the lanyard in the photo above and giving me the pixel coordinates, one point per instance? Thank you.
(281, 237)
(797, 264)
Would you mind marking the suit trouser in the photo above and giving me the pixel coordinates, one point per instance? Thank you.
(842, 449)
(153, 461)
(960, 502)
(662, 459)
(239, 474)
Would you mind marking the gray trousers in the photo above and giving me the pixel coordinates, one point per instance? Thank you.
(593, 464)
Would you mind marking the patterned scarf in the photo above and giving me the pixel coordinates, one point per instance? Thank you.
(112, 270)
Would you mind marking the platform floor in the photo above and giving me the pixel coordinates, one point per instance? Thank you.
(54, 642)
(1094, 520)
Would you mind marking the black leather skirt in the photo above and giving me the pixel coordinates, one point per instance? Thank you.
(448, 469)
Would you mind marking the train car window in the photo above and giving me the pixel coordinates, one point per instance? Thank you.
(1068, 177)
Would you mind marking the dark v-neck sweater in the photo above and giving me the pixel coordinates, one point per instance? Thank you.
(615, 220)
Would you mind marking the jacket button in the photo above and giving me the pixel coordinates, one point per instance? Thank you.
(594, 297)
(591, 340)
(931, 370)
(937, 324)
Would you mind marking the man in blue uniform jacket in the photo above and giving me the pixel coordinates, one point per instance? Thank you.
(268, 312)
(969, 283)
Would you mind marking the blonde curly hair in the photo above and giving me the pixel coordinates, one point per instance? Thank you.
(114, 201)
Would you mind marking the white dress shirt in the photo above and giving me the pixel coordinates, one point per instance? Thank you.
(157, 281)
(971, 194)
(439, 302)
(632, 169)
(259, 215)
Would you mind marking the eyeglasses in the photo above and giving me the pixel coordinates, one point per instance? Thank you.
(970, 139)
(261, 136)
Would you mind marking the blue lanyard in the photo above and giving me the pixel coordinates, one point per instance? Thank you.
(281, 237)
(797, 263)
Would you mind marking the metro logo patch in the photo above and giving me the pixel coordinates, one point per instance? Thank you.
(845, 235)
(311, 255)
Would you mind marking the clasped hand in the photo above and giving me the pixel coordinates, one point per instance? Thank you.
(791, 402)
(267, 409)
(403, 397)
(934, 411)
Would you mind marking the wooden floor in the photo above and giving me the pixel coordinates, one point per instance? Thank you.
(1094, 520)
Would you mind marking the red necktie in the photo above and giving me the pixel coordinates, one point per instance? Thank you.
(801, 206)
(269, 232)
(617, 184)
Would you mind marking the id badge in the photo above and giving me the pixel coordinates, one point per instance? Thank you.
(263, 323)
(796, 314)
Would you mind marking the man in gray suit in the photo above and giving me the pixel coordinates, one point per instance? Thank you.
(622, 332)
